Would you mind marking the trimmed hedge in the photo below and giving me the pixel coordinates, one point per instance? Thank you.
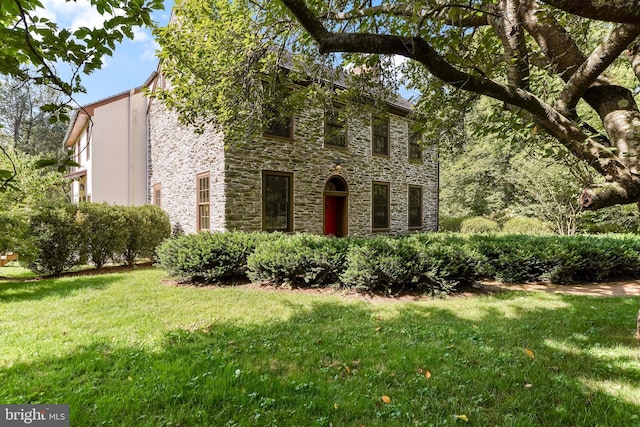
(208, 257)
(59, 238)
(299, 260)
(426, 263)
(53, 240)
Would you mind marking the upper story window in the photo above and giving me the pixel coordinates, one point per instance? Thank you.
(335, 128)
(415, 146)
(380, 133)
(203, 201)
(279, 123)
(277, 201)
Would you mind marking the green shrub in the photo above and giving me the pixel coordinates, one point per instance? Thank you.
(446, 262)
(381, 264)
(104, 230)
(478, 225)
(148, 226)
(53, 240)
(559, 259)
(450, 223)
(299, 260)
(530, 226)
(614, 219)
(208, 257)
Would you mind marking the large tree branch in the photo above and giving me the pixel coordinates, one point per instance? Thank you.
(622, 11)
(599, 60)
(507, 25)
(565, 130)
(556, 43)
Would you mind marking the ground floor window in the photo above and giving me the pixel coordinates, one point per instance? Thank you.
(203, 198)
(277, 201)
(380, 206)
(415, 206)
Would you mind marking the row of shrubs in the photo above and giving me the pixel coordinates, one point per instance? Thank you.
(58, 238)
(429, 263)
(478, 224)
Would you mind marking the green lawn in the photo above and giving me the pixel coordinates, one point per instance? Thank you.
(127, 350)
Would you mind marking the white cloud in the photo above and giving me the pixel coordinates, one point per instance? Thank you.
(73, 15)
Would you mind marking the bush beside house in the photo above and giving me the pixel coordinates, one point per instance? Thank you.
(426, 263)
(57, 238)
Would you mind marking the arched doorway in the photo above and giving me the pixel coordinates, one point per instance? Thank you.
(335, 207)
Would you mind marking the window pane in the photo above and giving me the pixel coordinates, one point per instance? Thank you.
(380, 206)
(415, 150)
(415, 207)
(280, 128)
(204, 189)
(380, 135)
(334, 129)
(204, 217)
(277, 202)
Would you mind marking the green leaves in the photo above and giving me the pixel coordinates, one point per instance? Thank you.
(31, 44)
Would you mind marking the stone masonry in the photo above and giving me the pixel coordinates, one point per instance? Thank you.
(177, 155)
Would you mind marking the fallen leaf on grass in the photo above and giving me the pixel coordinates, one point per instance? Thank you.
(427, 375)
(386, 399)
(462, 418)
(529, 353)
(336, 406)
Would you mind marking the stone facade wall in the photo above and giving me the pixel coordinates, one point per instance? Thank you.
(176, 156)
(313, 164)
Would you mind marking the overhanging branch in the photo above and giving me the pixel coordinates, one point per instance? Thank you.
(599, 60)
(622, 11)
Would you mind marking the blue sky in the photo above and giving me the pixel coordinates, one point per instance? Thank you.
(133, 60)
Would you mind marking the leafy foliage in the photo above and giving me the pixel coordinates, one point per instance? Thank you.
(207, 257)
(32, 44)
(299, 260)
(53, 240)
(104, 231)
(424, 263)
(147, 227)
(479, 224)
(523, 225)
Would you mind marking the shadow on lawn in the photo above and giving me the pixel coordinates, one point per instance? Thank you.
(41, 288)
(331, 363)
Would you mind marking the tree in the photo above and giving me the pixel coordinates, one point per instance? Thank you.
(32, 44)
(28, 127)
(546, 62)
(545, 69)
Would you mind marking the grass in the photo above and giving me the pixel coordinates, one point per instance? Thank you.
(126, 350)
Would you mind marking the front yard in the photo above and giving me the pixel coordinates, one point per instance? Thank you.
(125, 349)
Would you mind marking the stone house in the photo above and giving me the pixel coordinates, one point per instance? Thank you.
(366, 176)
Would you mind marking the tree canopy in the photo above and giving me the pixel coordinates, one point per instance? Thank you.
(34, 45)
(568, 70)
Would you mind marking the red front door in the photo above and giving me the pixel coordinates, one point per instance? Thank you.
(334, 215)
